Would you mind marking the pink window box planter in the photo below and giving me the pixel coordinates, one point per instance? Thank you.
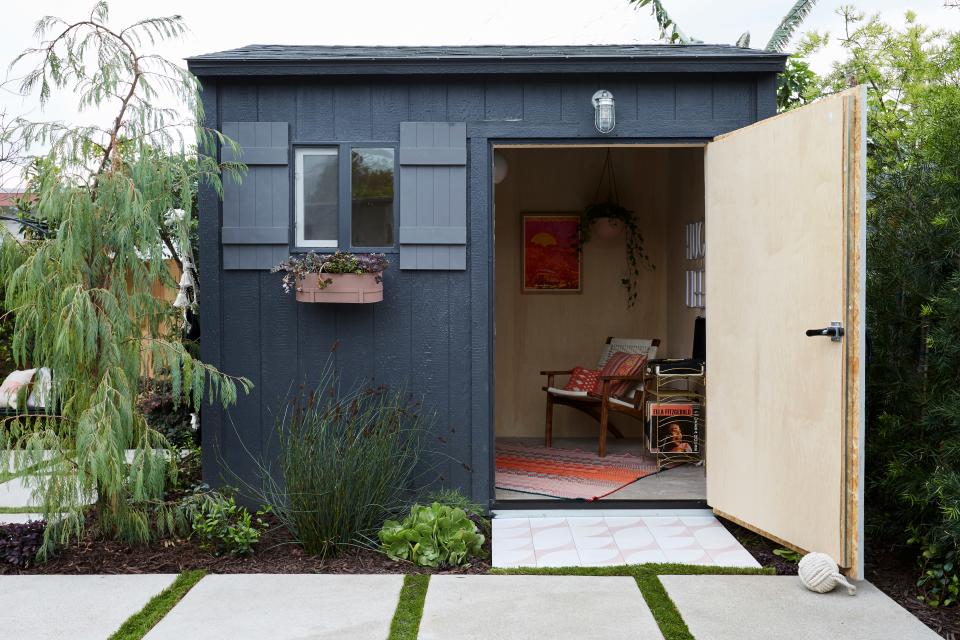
(346, 288)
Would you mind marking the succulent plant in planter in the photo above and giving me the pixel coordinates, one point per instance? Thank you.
(335, 277)
(607, 220)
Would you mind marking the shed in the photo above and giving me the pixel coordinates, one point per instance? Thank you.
(696, 148)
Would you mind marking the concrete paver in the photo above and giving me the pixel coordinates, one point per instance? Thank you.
(76, 607)
(284, 607)
(763, 607)
(19, 518)
(555, 607)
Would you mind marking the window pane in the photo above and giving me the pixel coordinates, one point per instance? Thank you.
(371, 180)
(319, 171)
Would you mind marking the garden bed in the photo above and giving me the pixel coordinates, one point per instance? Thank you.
(276, 552)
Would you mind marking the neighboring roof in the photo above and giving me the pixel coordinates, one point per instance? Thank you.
(9, 198)
(283, 59)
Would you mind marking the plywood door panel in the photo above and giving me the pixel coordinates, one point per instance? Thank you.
(778, 213)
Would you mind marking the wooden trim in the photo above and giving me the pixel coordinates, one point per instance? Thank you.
(433, 156)
(757, 530)
(855, 283)
(599, 65)
(257, 155)
(433, 235)
(255, 235)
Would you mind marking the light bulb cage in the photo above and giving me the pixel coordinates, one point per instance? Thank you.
(604, 111)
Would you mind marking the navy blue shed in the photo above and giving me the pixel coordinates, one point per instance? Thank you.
(438, 116)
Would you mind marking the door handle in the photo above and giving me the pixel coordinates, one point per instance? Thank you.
(834, 331)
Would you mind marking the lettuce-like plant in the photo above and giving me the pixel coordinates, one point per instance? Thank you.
(432, 536)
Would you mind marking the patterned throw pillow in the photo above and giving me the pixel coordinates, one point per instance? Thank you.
(623, 364)
(583, 380)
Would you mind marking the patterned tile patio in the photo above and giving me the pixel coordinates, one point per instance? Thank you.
(608, 538)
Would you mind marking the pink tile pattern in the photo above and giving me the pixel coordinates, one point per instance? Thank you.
(595, 541)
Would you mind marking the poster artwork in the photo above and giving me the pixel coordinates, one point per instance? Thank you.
(551, 253)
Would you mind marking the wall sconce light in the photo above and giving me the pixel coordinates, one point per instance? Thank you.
(605, 118)
(500, 167)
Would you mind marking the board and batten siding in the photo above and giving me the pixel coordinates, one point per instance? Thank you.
(433, 331)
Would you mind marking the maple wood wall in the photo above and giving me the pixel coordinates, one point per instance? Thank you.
(537, 331)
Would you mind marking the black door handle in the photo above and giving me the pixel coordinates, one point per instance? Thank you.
(835, 332)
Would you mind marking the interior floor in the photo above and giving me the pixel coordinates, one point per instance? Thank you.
(684, 482)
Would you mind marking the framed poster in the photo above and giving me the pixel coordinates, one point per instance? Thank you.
(551, 259)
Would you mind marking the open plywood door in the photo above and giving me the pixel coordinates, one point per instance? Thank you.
(785, 220)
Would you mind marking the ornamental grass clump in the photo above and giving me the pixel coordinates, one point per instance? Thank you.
(347, 461)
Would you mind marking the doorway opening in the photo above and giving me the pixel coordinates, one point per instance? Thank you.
(556, 309)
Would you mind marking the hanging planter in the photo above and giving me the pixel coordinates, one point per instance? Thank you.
(607, 220)
(345, 278)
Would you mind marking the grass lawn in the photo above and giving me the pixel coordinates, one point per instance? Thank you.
(664, 611)
(406, 619)
(160, 605)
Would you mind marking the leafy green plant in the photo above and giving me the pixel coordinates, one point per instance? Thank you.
(788, 554)
(432, 536)
(939, 582)
(223, 526)
(166, 414)
(348, 459)
(298, 265)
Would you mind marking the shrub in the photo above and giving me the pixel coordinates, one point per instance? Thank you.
(165, 414)
(347, 461)
(19, 542)
(221, 525)
(939, 582)
(434, 536)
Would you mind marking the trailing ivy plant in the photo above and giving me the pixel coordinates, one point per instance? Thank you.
(636, 254)
(80, 287)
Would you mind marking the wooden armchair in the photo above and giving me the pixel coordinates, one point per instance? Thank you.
(600, 403)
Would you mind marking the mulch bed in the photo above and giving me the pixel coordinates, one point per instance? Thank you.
(276, 552)
(894, 575)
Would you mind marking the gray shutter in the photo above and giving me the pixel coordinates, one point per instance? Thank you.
(256, 212)
(433, 195)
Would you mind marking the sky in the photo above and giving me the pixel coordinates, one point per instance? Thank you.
(216, 25)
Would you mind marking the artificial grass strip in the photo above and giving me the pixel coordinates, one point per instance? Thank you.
(406, 619)
(664, 611)
(140, 623)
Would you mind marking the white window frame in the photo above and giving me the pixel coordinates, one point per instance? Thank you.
(298, 195)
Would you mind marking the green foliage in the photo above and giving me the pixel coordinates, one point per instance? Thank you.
(298, 265)
(139, 624)
(939, 582)
(223, 526)
(784, 31)
(669, 30)
(81, 286)
(347, 461)
(798, 84)
(636, 255)
(432, 536)
(654, 594)
(779, 39)
(788, 554)
(913, 284)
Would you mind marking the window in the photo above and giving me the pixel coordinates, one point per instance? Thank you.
(317, 197)
(371, 197)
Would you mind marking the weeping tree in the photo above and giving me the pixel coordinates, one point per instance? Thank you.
(110, 202)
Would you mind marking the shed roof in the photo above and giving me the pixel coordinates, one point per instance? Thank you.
(261, 59)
